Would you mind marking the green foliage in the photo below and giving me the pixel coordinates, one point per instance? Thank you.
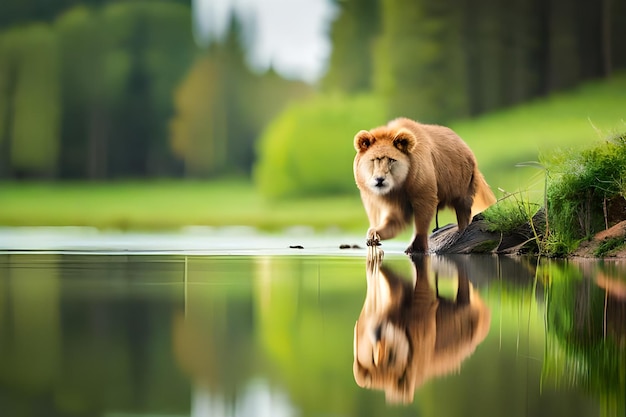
(555, 244)
(517, 215)
(31, 100)
(609, 245)
(580, 184)
(91, 91)
(90, 84)
(353, 34)
(218, 112)
(582, 346)
(16, 12)
(119, 72)
(418, 60)
(194, 129)
(308, 149)
(152, 47)
(438, 60)
(509, 214)
(7, 86)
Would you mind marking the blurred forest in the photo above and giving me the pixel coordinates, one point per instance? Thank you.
(97, 89)
(106, 89)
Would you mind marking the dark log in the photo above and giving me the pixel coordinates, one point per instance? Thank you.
(477, 238)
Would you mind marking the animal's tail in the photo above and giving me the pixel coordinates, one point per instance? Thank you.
(484, 197)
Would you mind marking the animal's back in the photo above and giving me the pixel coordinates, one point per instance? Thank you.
(452, 158)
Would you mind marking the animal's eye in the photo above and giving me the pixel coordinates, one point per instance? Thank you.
(391, 160)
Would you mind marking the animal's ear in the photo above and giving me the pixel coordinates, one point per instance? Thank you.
(363, 140)
(404, 141)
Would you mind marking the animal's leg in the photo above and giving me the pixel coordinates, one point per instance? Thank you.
(387, 229)
(418, 245)
(422, 217)
(463, 215)
(436, 220)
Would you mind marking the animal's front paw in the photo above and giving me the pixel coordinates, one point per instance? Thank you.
(373, 239)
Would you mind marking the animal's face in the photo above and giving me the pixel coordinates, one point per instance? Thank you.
(381, 354)
(383, 159)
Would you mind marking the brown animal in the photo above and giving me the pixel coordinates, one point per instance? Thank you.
(407, 170)
(407, 334)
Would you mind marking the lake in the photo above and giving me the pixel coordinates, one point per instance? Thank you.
(105, 328)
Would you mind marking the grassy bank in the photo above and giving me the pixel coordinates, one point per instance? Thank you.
(584, 199)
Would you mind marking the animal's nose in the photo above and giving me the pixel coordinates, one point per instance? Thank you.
(379, 181)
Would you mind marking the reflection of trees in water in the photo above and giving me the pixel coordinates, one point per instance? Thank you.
(75, 331)
(213, 338)
(586, 329)
(79, 335)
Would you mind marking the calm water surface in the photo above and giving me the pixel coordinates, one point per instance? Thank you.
(180, 335)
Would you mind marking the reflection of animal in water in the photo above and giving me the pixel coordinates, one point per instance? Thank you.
(407, 334)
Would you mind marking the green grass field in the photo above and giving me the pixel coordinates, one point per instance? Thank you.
(573, 119)
(169, 205)
(500, 140)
